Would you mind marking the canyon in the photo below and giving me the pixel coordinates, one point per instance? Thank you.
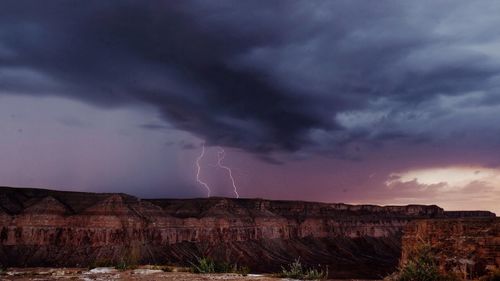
(40, 227)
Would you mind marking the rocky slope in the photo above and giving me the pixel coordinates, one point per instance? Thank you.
(468, 246)
(53, 228)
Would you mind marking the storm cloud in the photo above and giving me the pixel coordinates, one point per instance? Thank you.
(267, 76)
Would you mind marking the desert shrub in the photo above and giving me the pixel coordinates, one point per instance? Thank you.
(421, 266)
(207, 265)
(295, 270)
(203, 265)
(492, 276)
(314, 274)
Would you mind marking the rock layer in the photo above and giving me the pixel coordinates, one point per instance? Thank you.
(53, 228)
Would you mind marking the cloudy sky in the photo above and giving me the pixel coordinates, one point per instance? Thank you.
(385, 102)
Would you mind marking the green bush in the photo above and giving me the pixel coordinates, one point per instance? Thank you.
(421, 266)
(314, 274)
(295, 270)
(207, 265)
(203, 265)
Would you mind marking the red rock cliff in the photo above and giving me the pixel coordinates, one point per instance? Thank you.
(53, 228)
(468, 246)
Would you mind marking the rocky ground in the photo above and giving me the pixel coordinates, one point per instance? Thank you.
(108, 273)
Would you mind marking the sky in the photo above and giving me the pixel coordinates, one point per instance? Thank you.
(376, 102)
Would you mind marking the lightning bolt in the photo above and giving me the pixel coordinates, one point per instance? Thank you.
(202, 183)
(220, 156)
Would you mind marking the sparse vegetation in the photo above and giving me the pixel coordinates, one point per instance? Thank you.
(421, 266)
(243, 270)
(122, 266)
(130, 257)
(203, 265)
(207, 265)
(295, 270)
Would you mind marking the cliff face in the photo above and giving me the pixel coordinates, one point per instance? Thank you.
(469, 214)
(52, 228)
(469, 246)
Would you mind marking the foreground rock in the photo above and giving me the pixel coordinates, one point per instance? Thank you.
(106, 274)
(52, 228)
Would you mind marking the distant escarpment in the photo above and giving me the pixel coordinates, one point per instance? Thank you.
(54, 228)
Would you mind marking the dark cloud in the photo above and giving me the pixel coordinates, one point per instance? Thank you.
(153, 126)
(187, 145)
(262, 75)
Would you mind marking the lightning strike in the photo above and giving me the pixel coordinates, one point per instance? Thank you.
(220, 155)
(202, 183)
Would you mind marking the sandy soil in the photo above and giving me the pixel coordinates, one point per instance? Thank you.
(107, 273)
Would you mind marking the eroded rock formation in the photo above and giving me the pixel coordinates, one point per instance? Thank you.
(469, 246)
(53, 228)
